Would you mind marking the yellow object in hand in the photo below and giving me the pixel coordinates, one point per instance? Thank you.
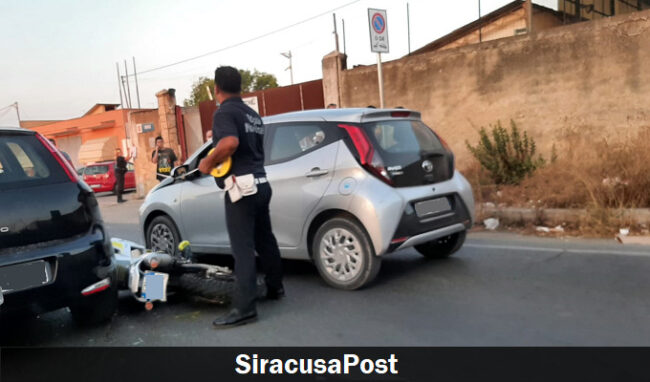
(222, 169)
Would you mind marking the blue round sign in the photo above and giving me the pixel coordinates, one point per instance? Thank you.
(378, 23)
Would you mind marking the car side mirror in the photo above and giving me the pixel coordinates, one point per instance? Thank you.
(178, 171)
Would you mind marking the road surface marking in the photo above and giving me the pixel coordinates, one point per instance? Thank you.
(542, 249)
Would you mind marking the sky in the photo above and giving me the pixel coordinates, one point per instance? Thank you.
(58, 58)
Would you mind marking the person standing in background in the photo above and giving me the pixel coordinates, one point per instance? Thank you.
(165, 159)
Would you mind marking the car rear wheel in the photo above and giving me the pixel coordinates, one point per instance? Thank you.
(162, 235)
(344, 255)
(443, 247)
(95, 309)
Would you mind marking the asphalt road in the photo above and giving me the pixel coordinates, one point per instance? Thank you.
(499, 289)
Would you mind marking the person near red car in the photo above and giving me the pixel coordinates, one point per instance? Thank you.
(120, 171)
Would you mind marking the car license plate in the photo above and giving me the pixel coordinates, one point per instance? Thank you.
(94, 186)
(432, 207)
(154, 286)
(24, 276)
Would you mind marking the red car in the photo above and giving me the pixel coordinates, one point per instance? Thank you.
(101, 176)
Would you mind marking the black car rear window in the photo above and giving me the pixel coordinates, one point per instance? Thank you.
(402, 137)
(96, 170)
(24, 161)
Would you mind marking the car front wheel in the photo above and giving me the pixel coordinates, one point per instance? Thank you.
(344, 255)
(162, 235)
(443, 247)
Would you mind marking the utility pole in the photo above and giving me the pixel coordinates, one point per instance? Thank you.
(126, 74)
(408, 25)
(17, 112)
(290, 67)
(480, 32)
(336, 35)
(343, 22)
(529, 16)
(119, 86)
(137, 89)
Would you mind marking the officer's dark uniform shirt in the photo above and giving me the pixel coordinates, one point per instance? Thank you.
(120, 166)
(235, 118)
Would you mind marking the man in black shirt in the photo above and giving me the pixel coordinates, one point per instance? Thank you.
(120, 171)
(164, 158)
(238, 132)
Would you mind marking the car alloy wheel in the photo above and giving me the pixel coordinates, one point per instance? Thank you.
(162, 239)
(343, 254)
(340, 253)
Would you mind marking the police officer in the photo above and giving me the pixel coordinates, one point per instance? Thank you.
(238, 132)
(120, 171)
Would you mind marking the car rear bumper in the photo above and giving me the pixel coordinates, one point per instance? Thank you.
(389, 216)
(75, 265)
(100, 187)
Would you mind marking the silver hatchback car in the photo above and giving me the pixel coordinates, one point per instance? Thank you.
(349, 185)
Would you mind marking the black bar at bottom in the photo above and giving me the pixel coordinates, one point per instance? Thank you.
(410, 364)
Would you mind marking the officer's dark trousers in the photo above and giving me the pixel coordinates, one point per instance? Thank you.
(249, 229)
(119, 185)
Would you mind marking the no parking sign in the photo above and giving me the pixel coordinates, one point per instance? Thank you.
(378, 30)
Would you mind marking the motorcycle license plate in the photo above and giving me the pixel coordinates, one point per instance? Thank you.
(154, 286)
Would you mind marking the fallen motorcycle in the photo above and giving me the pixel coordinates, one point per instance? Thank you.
(150, 276)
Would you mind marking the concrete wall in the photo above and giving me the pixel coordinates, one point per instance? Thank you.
(145, 171)
(194, 136)
(588, 77)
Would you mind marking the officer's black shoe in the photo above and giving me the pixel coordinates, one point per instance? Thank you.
(121, 200)
(275, 294)
(234, 318)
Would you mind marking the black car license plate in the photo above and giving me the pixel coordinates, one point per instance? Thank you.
(24, 276)
(432, 207)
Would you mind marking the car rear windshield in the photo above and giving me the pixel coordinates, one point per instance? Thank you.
(401, 136)
(24, 162)
(96, 170)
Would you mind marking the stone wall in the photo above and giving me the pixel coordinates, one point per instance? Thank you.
(588, 78)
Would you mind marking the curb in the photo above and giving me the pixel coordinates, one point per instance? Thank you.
(557, 216)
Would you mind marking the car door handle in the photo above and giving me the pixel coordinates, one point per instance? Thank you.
(316, 172)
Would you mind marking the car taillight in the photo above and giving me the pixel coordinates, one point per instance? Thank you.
(452, 159)
(368, 157)
(72, 174)
(400, 114)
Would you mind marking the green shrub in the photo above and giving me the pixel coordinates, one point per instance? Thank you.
(508, 157)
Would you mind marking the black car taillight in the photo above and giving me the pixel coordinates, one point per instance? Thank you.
(451, 155)
(71, 172)
(368, 157)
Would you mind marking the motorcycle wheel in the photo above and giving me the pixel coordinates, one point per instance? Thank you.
(216, 289)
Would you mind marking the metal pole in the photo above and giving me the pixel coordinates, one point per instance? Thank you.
(119, 86)
(128, 87)
(480, 31)
(137, 89)
(381, 81)
(408, 25)
(343, 21)
(336, 35)
(529, 16)
(17, 112)
(126, 100)
(291, 66)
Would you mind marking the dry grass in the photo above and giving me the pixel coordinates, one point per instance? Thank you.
(601, 175)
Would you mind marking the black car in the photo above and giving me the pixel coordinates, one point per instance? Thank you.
(54, 249)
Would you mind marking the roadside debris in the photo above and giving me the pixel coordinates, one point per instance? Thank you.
(556, 229)
(491, 224)
(625, 239)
